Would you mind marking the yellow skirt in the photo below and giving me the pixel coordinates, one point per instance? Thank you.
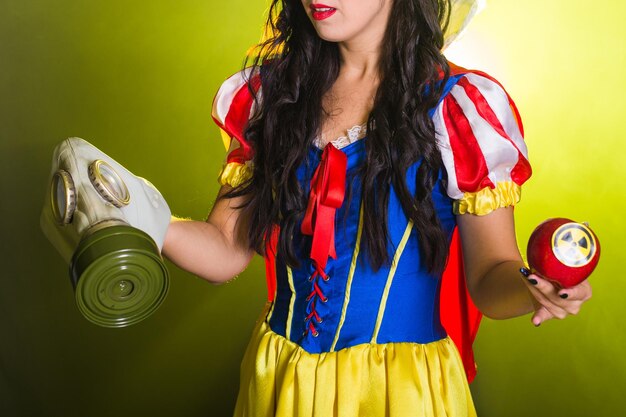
(279, 378)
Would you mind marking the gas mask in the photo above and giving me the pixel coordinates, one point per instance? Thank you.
(109, 226)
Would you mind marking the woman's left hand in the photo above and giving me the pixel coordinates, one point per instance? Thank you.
(552, 302)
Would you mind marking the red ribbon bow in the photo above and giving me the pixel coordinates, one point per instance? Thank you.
(327, 193)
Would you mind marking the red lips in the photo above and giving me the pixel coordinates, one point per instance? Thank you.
(322, 11)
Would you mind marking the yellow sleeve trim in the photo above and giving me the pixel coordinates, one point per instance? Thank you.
(235, 174)
(485, 201)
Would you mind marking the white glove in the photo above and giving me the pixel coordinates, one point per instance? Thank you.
(113, 195)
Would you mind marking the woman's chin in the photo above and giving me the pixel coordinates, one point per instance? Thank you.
(332, 34)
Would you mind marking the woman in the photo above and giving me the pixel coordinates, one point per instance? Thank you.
(356, 233)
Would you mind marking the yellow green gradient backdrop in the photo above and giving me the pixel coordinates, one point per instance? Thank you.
(137, 80)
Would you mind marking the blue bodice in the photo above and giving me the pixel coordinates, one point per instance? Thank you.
(355, 305)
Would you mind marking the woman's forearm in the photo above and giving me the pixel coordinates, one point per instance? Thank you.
(492, 264)
(501, 293)
(202, 249)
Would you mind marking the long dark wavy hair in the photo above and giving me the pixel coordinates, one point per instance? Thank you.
(298, 68)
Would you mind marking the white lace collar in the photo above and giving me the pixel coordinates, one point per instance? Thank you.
(353, 134)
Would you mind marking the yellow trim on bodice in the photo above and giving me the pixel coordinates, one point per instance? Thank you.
(346, 299)
(392, 273)
(292, 301)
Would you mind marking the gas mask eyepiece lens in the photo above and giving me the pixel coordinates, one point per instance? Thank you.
(62, 197)
(108, 183)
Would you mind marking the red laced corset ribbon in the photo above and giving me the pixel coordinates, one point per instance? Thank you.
(326, 196)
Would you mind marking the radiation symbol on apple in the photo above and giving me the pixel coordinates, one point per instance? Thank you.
(573, 244)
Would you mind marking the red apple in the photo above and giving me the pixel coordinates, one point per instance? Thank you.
(563, 251)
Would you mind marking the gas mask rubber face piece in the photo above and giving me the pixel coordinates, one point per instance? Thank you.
(109, 226)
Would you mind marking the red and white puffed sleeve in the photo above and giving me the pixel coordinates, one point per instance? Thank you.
(232, 108)
(481, 139)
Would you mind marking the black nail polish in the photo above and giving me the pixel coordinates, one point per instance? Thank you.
(533, 281)
(564, 296)
(524, 271)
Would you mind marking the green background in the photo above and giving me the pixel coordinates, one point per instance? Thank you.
(137, 78)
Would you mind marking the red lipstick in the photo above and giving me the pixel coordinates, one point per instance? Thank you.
(322, 11)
